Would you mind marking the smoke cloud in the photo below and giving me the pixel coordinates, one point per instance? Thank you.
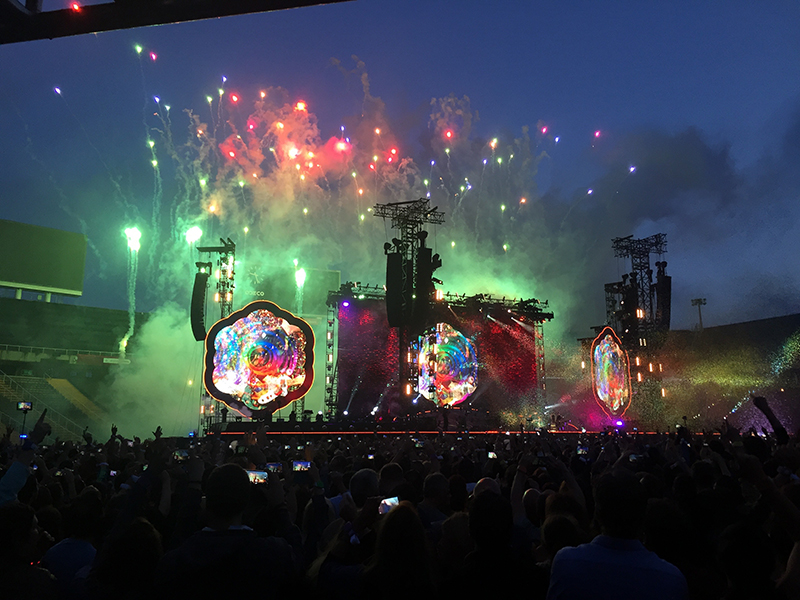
(260, 160)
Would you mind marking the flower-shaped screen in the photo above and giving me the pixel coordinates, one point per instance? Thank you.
(260, 358)
(611, 378)
(448, 365)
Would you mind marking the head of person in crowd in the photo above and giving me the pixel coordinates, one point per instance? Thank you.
(436, 492)
(487, 484)
(560, 531)
(227, 492)
(364, 484)
(567, 505)
(82, 517)
(127, 566)
(620, 505)
(455, 542)
(490, 521)
(390, 477)
(401, 565)
(530, 500)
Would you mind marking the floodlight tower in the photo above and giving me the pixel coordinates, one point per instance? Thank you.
(699, 303)
(409, 274)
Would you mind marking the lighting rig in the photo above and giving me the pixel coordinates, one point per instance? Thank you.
(410, 265)
(225, 273)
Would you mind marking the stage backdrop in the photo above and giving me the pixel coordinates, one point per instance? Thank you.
(368, 354)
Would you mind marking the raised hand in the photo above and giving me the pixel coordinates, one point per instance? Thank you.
(41, 430)
(87, 437)
(760, 403)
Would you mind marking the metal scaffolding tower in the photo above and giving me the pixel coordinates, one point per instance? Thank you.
(226, 270)
(641, 280)
(409, 218)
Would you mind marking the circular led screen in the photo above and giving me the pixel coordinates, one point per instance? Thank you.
(259, 358)
(448, 365)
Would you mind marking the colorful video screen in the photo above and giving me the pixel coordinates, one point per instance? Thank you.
(611, 378)
(448, 365)
(490, 364)
(260, 358)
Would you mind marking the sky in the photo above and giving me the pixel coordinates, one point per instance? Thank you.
(681, 118)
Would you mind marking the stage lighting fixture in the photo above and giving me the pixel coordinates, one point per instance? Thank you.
(193, 234)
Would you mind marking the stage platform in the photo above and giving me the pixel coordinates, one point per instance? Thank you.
(340, 430)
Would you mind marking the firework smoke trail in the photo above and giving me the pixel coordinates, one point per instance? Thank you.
(157, 183)
(300, 280)
(63, 203)
(134, 244)
(121, 200)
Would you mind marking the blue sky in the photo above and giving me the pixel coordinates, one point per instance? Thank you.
(728, 71)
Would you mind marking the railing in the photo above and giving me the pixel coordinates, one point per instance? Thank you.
(59, 351)
(62, 426)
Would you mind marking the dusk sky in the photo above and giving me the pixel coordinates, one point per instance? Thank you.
(681, 117)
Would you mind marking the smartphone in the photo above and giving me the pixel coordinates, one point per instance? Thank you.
(287, 447)
(370, 456)
(241, 449)
(300, 447)
(24, 405)
(180, 455)
(112, 473)
(635, 457)
(388, 504)
(301, 465)
(582, 450)
(130, 443)
(491, 454)
(275, 467)
(258, 476)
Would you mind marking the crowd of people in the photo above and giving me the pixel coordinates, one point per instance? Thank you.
(711, 515)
